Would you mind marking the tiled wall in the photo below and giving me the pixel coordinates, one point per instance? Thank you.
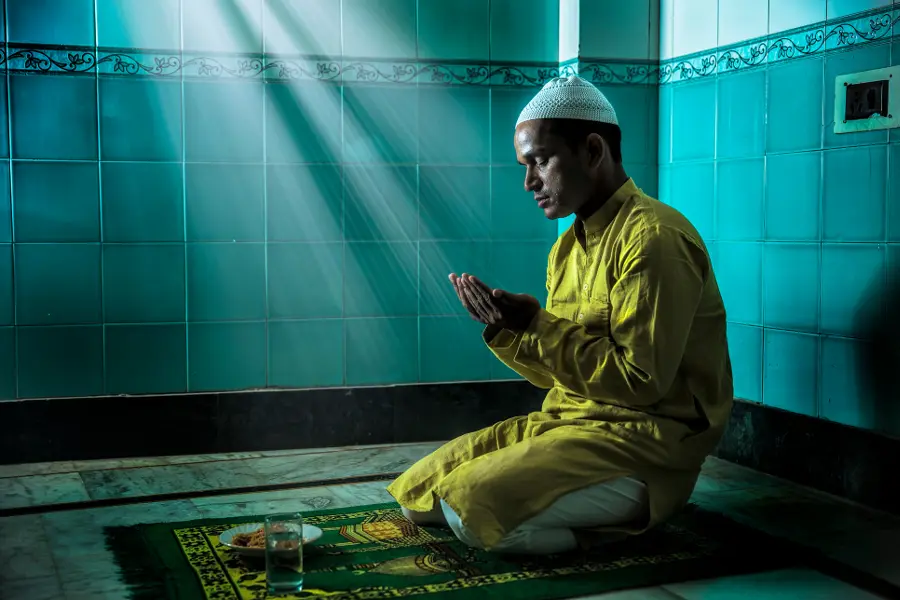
(228, 194)
(802, 222)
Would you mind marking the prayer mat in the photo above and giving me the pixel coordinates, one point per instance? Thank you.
(372, 552)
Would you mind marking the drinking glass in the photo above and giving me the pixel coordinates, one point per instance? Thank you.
(284, 553)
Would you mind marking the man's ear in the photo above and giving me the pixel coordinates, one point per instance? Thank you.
(597, 150)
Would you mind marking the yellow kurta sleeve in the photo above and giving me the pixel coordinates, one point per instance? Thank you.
(653, 302)
(505, 344)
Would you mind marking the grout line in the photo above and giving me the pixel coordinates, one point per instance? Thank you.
(184, 211)
(102, 257)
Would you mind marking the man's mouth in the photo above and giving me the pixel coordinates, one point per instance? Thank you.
(543, 201)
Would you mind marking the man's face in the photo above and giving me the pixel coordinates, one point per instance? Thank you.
(559, 177)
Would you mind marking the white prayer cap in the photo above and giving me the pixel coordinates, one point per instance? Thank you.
(569, 98)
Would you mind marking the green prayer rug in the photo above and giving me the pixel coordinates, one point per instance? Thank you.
(372, 552)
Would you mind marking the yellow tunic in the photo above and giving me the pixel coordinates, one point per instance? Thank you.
(632, 348)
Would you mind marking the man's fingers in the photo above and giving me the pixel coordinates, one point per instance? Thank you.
(481, 309)
(483, 294)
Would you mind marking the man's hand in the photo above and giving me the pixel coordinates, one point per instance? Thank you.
(495, 307)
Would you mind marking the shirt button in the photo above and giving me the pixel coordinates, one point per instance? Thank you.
(581, 316)
(585, 287)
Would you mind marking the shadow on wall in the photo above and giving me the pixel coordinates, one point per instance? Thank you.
(878, 360)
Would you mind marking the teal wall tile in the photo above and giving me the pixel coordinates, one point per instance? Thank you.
(741, 129)
(739, 273)
(384, 29)
(893, 195)
(520, 268)
(311, 27)
(791, 371)
(793, 196)
(381, 124)
(382, 351)
(305, 280)
(223, 122)
(852, 274)
(303, 121)
(7, 306)
(7, 363)
(693, 194)
(5, 205)
(380, 279)
(140, 119)
(381, 203)
(437, 260)
(4, 118)
(56, 202)
(226, 356)
(304, 354)
(225, 203)
(54, 117)
(454, 202)
(454, 30)
(740, 205)
(645, 177)
(745, 345)
(843, 396)
(853, 205)
(617, 30)
(304, 203)
(506, 105)
(865, 58)
(60, 361)
(453, 122)
(57, 284)
(837, 9)
(796, 83)
(222, 26)
(791, 286)
(694, 121)
(139, 24)
(142, 202)
(469, 360)
(740, 21)
(666, 109)
(66, 22)
(514, 213)
(636, 110)
(143, 283)
(226, 281)
(146, 359)
(509, 18)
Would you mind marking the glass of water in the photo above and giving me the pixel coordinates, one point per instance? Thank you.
(284, 553)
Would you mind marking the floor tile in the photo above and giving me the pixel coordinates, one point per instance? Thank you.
(25, 552)
(656, 593)
(36, 588)
(38, 490)
(775, 585)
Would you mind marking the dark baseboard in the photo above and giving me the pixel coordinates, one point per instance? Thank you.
(133, 426)
(845, 461)
(856, 464)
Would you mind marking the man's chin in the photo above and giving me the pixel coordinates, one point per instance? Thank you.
(555, 212)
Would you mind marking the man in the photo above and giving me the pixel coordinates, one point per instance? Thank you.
(631, 346)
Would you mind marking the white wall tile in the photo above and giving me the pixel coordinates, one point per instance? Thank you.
(841, 8)
(615, 29)
(666, 29)
(696, 26)
(790, 14)
(741, 20)
(568, 29)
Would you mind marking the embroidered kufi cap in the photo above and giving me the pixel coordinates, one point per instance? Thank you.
(569, 98)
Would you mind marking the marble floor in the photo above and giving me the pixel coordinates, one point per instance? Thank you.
(53, 549)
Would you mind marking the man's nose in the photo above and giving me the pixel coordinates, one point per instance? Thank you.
(532, 182)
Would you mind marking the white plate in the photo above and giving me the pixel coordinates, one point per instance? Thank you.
(311, 533)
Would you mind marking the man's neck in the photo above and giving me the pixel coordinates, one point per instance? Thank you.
(603, 193)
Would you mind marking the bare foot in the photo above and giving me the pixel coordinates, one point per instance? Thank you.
(433, 517)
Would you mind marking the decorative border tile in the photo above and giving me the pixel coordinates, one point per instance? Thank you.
(871, 27)
(123, 62)
(51, 60)
(601, 72)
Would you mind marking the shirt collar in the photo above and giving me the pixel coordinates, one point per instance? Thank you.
(601, 219)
